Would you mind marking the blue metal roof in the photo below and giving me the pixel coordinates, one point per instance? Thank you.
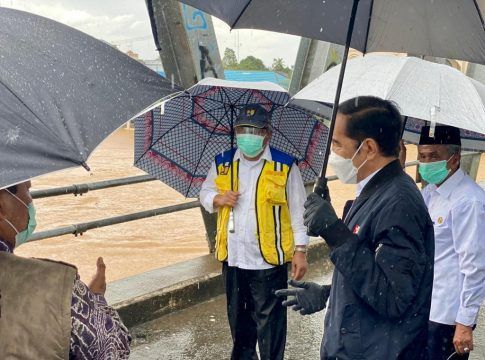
(254, 76)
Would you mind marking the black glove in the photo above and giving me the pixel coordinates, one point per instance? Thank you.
(306, 297)
(321, 188)
(319, 215)
(321, 220)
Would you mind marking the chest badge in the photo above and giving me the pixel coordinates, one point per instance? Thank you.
(356, 229)
(440, 220)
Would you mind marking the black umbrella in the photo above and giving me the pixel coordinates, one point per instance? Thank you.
(442, 28)
(61, 93)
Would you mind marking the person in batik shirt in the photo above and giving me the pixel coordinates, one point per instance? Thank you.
(35, 321)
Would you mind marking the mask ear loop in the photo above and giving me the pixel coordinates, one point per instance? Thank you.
(19, 199)
(13, 227)
(358, 149)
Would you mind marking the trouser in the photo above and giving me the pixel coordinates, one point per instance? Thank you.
(440, 342)
(255, 314)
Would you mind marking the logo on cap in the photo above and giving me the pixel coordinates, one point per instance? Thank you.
(250, 112)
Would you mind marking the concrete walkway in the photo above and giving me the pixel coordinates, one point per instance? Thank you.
(201, 331)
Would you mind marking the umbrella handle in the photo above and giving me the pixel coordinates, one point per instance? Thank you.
(231, 225)
(321, 188)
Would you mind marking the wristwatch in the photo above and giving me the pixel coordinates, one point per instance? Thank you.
(301, 248)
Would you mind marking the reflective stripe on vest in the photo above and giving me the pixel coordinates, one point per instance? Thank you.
(274, 232)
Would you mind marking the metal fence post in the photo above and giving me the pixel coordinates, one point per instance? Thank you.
(469, 163)
(210, 223)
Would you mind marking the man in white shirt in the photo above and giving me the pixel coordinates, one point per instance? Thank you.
(456, 205)
(259, 194)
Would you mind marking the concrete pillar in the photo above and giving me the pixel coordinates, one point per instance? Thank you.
(313, 59)
(188, 49)
(210, 223)
(477, 72)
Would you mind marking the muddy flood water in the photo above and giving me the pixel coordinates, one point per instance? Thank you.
(137, 246)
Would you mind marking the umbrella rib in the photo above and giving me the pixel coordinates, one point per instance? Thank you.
(38, 118)
(368, 26)
(241, 14)
(480, 15)
(291, 143)
(203, 150)
(169, 130)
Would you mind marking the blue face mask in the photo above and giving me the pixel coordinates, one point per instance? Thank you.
(24, 235)
(434, 172)
(250, 145)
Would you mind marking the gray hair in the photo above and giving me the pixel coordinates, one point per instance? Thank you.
(453, 149)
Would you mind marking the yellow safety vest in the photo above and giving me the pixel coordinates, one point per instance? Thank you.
(273, 221)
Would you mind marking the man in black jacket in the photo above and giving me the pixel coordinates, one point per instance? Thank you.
(382, 250)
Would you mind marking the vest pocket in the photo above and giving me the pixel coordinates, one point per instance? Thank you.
(275, 189)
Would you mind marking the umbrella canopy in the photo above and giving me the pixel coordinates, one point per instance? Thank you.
(177, 141)
(61, 93)
(443, 28)
(423, 91)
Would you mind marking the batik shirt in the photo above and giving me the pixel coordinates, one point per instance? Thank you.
(97, 332)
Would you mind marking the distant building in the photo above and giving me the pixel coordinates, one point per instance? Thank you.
(155, 64)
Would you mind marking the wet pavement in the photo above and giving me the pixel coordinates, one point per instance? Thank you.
(202, 332)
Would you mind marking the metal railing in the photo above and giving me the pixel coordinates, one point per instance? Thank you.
(79, 229)
(79, 189)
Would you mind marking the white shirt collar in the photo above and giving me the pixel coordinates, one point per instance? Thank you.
(266, 156)
(446, 188)
(364, 182)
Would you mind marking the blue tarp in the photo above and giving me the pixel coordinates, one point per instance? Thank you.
(253, 76)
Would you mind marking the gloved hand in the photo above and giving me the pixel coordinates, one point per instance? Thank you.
(319, 215)
(306, 297)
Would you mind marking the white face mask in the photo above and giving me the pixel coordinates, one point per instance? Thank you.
(345, 168)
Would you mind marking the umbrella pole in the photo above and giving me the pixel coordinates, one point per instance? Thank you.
(321, 187)
(231, 214)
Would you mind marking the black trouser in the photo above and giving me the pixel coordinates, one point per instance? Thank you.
(440, 342)
(255, 313)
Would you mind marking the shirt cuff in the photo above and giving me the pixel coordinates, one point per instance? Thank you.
(467, 316)
(301, 239)
(208, 202)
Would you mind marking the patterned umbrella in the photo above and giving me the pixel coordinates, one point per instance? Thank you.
(177, 141)
(470, 141)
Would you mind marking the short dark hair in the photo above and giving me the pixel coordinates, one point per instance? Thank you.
(375, 118)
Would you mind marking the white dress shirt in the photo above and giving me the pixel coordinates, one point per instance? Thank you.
(457, 209)
(361, 184)
(243, 247)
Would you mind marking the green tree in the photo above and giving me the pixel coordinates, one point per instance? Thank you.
(279, 66)
(252, 63)
(229, 61)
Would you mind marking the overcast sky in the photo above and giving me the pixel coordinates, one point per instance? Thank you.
(121, 20)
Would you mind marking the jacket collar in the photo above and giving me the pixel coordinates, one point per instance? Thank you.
(383, 176)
